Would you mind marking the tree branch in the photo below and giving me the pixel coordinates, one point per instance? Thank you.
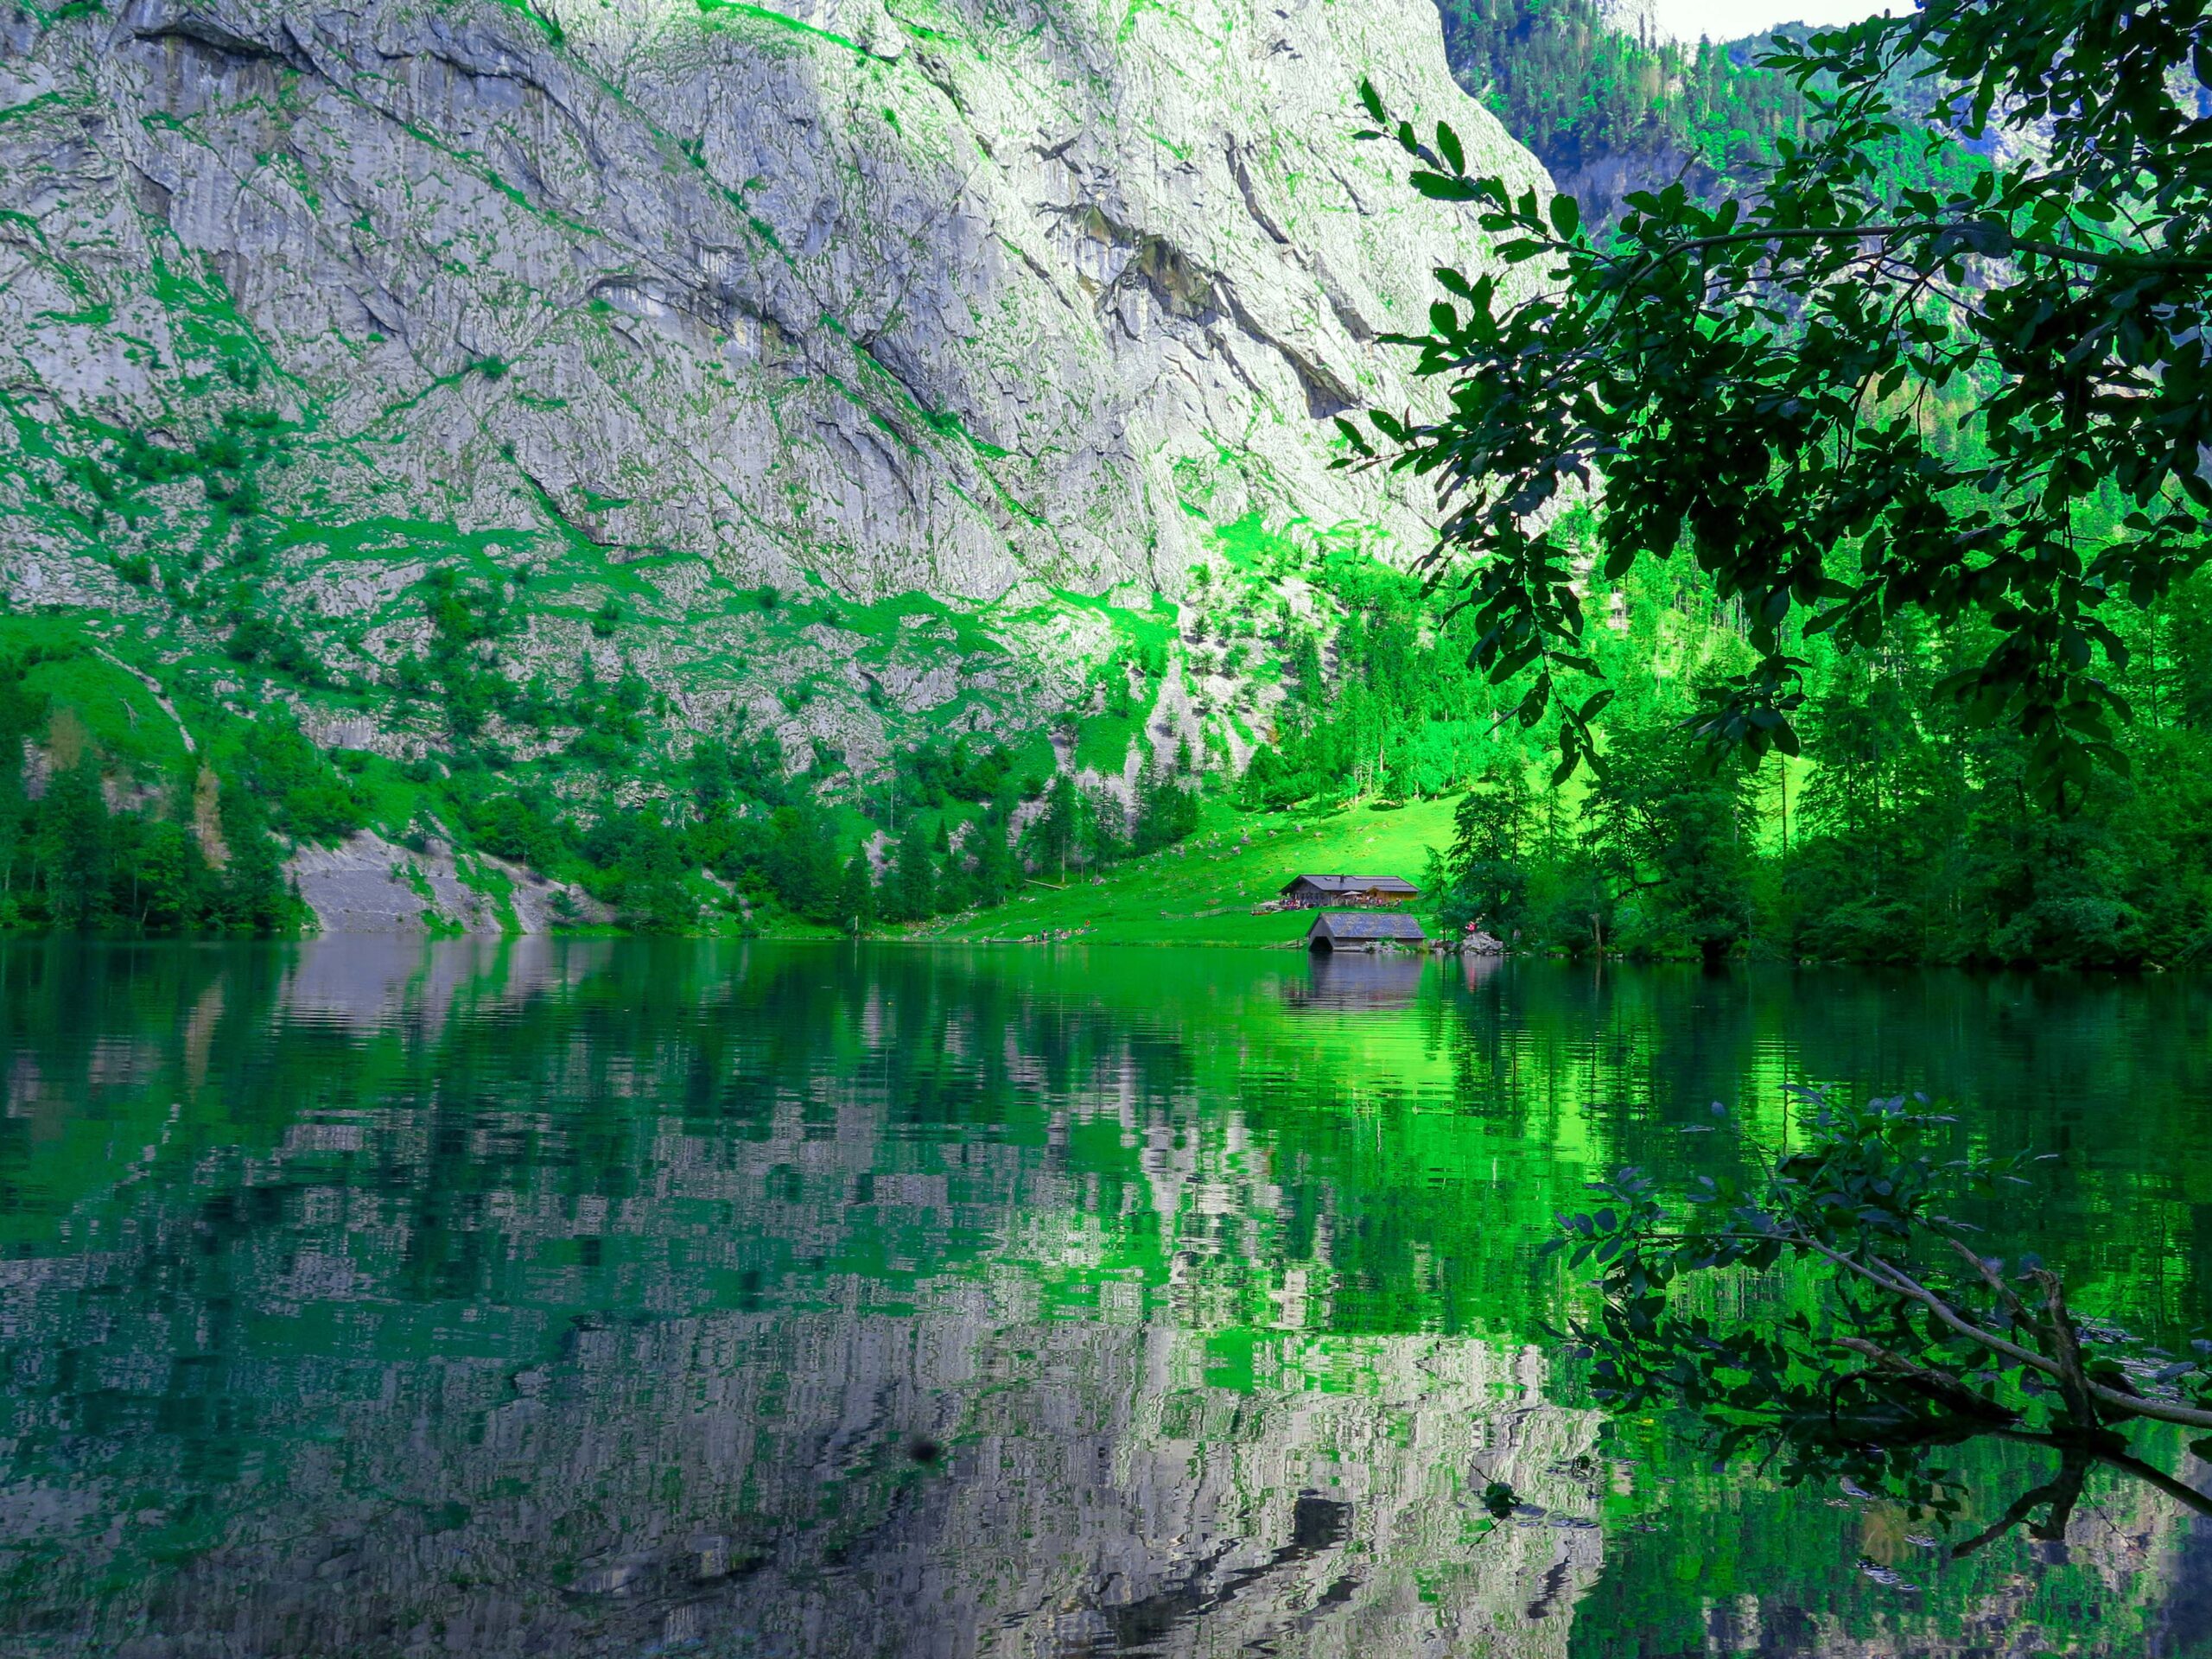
(1941, 1384)
(2133, 1405)
(1898, 1285)
(2098, 257)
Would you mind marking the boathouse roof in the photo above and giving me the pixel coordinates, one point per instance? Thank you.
(1365, 926)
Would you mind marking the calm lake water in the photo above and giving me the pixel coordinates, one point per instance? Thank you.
(612, 1297)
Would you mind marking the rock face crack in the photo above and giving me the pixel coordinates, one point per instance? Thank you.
(1326, 394)
(648, 296)
(1188, 292)
(1242, 173)
(1340, 303)
(154, 22)
(1153, 264)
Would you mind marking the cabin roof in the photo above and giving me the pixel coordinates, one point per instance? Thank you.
(1364, 925)
(1353, 883)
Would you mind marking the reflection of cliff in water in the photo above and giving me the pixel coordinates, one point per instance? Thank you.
(827, 1485)
(775, 1369)
(575, 1298)
(371, 981)
(1357, 979)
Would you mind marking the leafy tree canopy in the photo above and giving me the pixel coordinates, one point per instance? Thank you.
(1989, 401)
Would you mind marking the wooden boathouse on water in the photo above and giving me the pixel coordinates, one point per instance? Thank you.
(1362, 930)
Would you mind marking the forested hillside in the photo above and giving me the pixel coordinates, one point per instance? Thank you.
(1969, 556)
(1600, 104)
(527, 464)
(1904, 832)
(1609, 108)
(242, 669)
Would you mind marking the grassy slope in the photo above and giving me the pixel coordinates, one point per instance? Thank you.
(1235, 860)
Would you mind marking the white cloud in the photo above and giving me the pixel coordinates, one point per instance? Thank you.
(1731, 19)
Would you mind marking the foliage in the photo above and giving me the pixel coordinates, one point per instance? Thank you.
(1598, 104)
(637, 862)
(1400, 716)
(304, 796)
(1580, 91)
(856, 906)
(1485, 878)
(1919, 1340)
(1844, 411)
(935, 775)
(460, 663)
(521, 826)
(70, 861)
(1672, 829)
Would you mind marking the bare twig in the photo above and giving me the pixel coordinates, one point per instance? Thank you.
(2066, 1348)
(1941, 1384)
(1995, 1280)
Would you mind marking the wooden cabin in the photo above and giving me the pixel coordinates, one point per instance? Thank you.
(1312, 892)
(1359, 930)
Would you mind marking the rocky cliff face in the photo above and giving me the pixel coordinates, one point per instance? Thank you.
(952, 319)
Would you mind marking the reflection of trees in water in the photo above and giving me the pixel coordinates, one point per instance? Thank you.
(2112, 1074)
(604, 1289)
(1819, 1570)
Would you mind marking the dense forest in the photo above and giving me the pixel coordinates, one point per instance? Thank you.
(1905, 834)
(1608, 111)
(1578, 91)
(1925, 814)
(1902, 834)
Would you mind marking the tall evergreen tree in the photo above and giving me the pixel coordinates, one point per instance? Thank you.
(856, 893)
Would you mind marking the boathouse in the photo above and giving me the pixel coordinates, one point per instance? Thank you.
(1361, 931)
(1312, 892)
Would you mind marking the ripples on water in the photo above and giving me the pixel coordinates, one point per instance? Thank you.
(616, 1297)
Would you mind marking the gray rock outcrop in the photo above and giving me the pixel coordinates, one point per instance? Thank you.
(366, 885)
(660, 304)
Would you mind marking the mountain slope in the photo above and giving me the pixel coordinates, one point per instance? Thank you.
(821, 370)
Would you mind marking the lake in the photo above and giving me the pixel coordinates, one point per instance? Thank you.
(366, 1296)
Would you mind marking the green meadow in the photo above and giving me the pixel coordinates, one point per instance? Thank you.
(1203, 891)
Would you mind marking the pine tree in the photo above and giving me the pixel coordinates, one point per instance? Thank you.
(1052, 836)
(913, 878)
(856, 893)
(993, 875)
(1168, 810)
(74, 847)
(1487, 866)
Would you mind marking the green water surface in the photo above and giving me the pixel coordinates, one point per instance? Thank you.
(368, 1297)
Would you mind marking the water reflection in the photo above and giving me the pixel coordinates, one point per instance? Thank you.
(552, 1297)
(1350, 979)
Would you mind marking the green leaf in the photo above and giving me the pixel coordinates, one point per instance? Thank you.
(1439, 186)
(1566, 216)
(1447, 145)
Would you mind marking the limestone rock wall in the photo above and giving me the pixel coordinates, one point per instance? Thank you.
(984, 301)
